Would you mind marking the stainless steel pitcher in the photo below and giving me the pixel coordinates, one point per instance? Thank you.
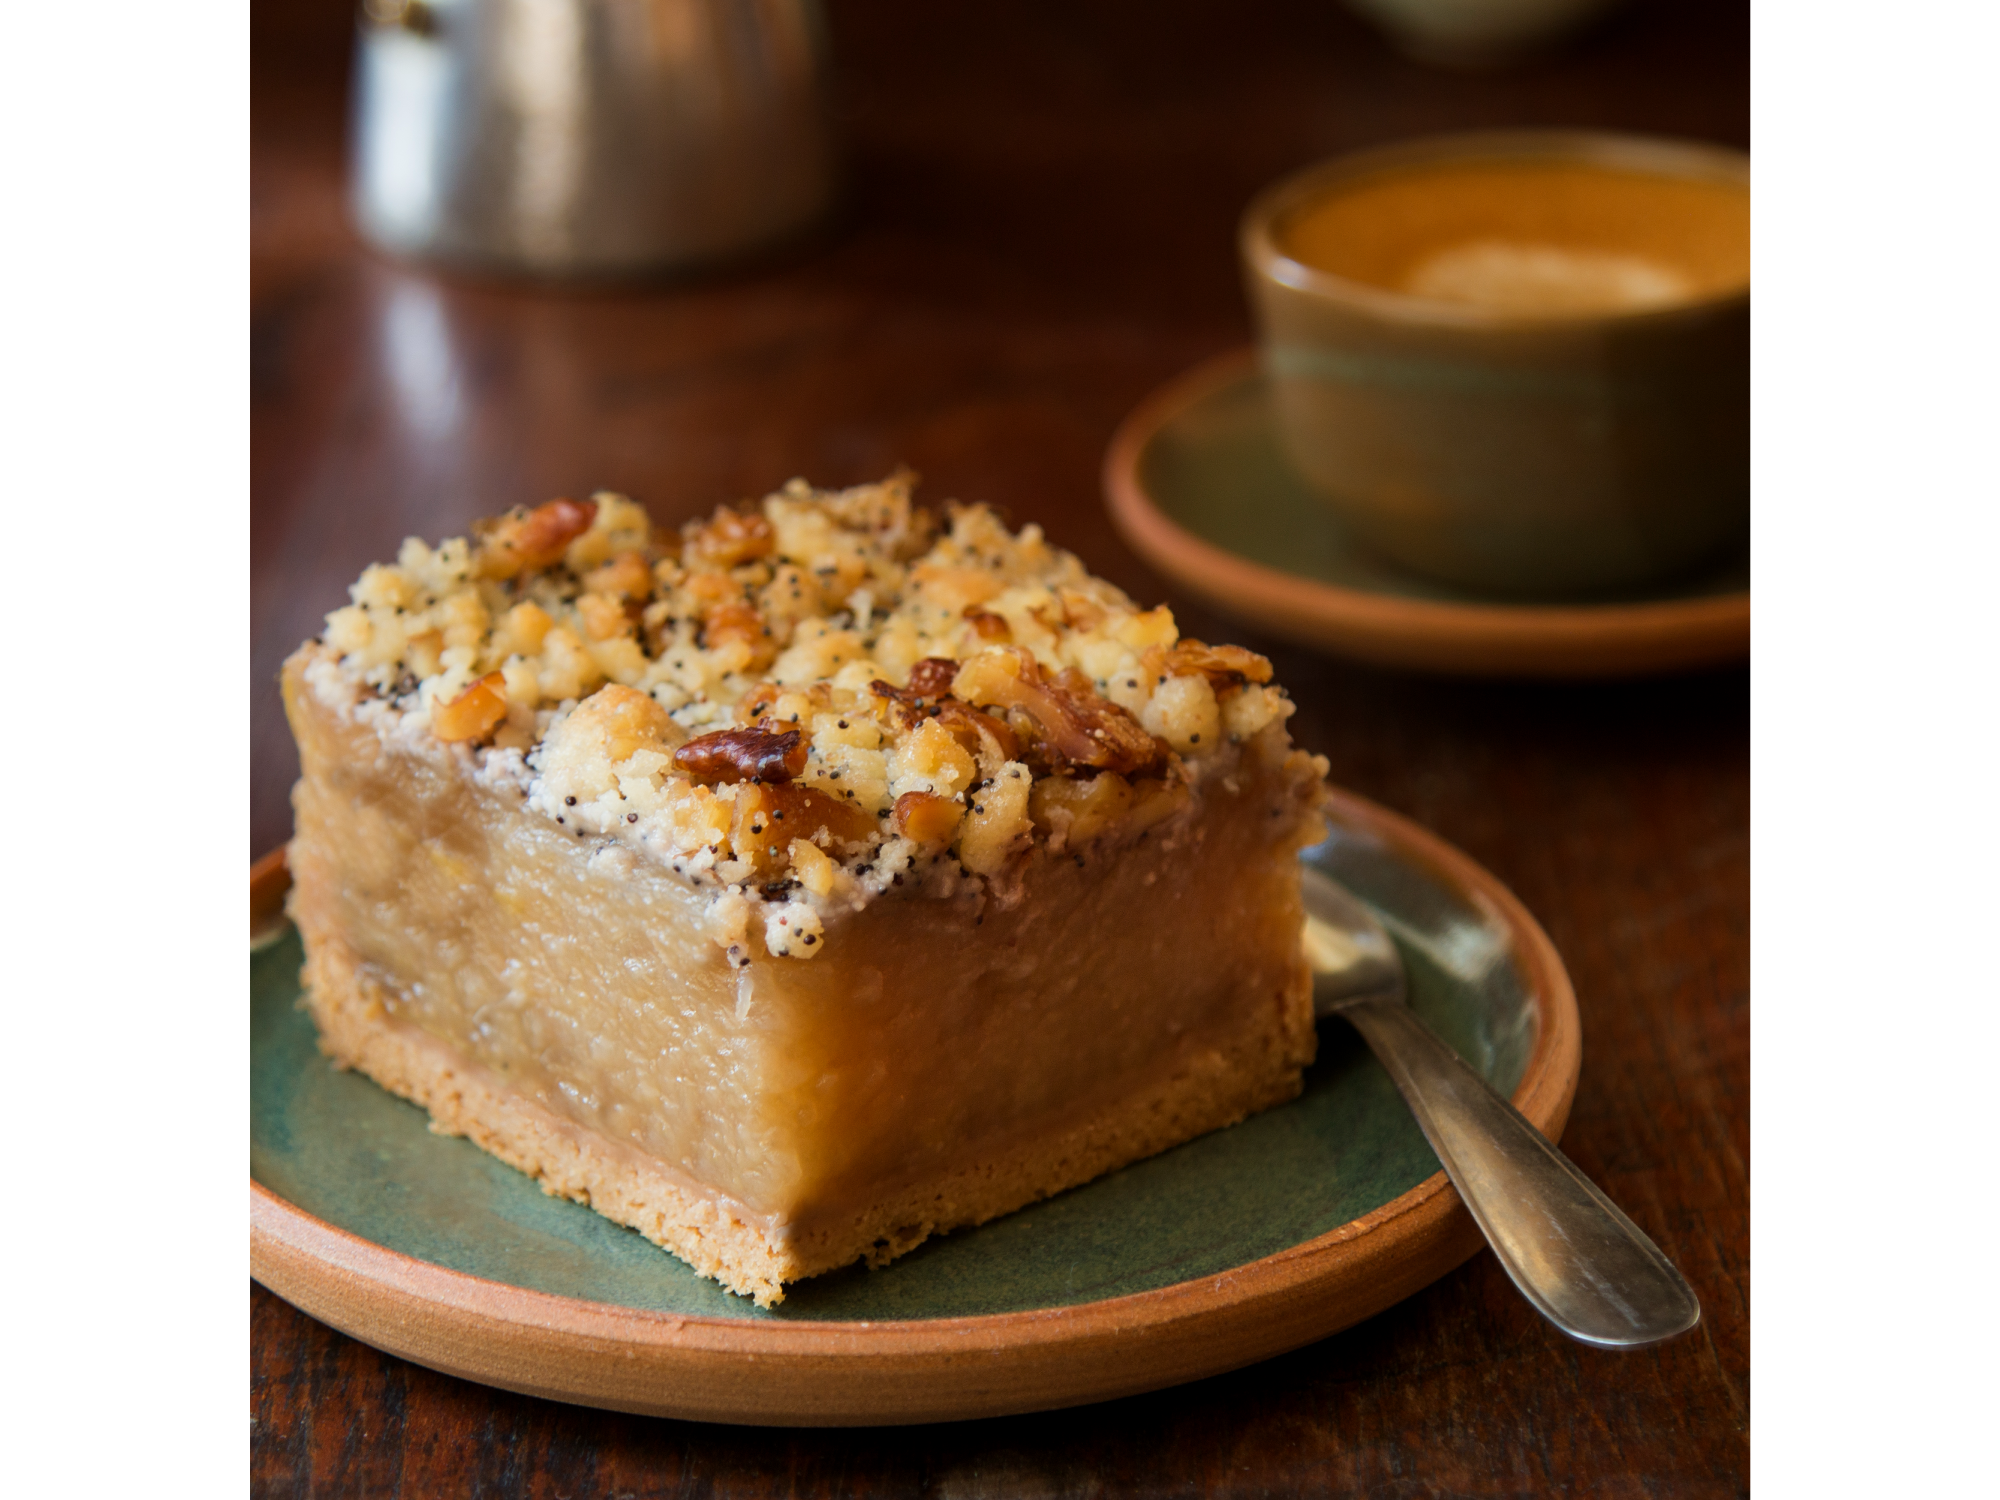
(590, 137)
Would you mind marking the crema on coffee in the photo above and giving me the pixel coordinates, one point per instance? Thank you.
(1529, 238)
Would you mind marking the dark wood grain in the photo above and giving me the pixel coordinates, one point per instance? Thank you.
(1040, 230)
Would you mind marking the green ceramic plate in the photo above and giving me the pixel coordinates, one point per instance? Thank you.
(1198, 485)
(355, 1158)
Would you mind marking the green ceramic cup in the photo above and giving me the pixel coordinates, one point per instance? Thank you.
(1519, 449)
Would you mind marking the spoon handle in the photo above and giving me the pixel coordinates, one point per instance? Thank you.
(1591, 1271)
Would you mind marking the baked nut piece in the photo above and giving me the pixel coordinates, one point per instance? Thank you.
(801, 885)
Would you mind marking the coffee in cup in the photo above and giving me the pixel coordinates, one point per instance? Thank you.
(1515, 361)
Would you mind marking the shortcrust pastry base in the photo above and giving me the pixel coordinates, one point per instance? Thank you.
(714, 1236)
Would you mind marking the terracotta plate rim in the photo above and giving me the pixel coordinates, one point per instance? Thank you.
(1497, 639)
(934, 1369)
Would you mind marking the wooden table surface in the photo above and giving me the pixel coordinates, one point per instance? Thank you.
(1039, 230)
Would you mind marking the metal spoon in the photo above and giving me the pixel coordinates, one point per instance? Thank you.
(1590, 1270)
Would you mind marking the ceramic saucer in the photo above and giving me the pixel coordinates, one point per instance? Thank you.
(1198, 486)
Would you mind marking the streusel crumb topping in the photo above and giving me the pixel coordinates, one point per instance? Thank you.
(802, 703)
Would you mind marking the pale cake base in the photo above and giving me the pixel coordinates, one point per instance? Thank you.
(704, 1229)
